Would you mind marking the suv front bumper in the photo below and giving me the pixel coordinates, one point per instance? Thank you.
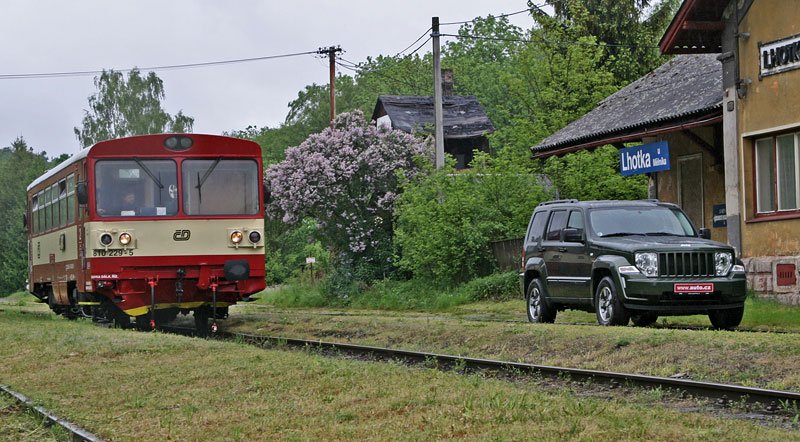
(658, 294)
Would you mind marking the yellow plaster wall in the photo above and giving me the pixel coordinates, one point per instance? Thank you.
(772, 104)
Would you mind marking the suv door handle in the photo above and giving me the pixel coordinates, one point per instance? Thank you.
(541, 248)
(562, 249)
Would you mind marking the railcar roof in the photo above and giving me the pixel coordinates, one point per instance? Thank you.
(100, 147)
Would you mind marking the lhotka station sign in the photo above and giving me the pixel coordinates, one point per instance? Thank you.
(779, 56)
(645, 158)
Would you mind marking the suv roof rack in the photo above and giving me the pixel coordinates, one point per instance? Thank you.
(547, 203)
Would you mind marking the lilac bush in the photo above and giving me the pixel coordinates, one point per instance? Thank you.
(346, 178)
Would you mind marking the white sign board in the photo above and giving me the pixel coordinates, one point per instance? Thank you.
(779, 56)
(311, 260)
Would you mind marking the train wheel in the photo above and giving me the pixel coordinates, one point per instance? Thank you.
(201, 316)
(142, 323)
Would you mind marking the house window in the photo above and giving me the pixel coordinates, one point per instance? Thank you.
(777, 165)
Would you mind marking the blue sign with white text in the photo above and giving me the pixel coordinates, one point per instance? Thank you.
(646, 158)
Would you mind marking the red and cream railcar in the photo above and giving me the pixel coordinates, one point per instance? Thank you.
(147, 227)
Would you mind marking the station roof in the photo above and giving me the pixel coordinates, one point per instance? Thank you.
(682, 93)
(463, 116)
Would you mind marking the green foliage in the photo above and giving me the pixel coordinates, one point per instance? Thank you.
(446, 219)
(631, 29)
(495, 287)
(123, 108)
(594, 176)
(287, 248)
(18, 167)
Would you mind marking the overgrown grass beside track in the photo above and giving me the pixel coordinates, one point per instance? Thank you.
(400, 295)
(126, 385)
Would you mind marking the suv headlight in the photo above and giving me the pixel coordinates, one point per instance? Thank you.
(647, 263)
(723, 261)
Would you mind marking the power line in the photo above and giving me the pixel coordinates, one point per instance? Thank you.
(150, 68)
(415, 42)
(551, 42)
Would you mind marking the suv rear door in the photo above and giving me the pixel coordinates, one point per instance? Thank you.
(552, 253)
(576, 267)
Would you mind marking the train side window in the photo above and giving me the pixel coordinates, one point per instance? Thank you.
(35, 213)
(71, 199)
(47, 210)
(54, 206)
(62, 203)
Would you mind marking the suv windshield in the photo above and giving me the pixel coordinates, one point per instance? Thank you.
(136, 187)
(220, 187)
(659, 220)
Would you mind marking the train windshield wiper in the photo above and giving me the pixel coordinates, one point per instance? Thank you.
(200, 181)
(149, 173)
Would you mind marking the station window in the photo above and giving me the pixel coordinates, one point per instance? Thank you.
(777, 184)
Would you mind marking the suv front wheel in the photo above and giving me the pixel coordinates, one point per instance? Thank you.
(607, 304)
(538, 309)
(726, 319)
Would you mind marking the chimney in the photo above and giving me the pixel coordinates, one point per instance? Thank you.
(447, 82)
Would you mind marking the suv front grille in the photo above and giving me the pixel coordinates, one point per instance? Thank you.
(680, 264)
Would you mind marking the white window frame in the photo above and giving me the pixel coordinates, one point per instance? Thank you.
(776, 168)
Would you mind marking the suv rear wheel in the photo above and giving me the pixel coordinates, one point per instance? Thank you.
(726, 319)
(607, 304)
(538, 309)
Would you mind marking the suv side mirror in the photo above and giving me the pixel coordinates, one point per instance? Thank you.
(704, 233)
(82, 192)
(573, 235)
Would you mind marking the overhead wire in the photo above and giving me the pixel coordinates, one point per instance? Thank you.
(150, 68)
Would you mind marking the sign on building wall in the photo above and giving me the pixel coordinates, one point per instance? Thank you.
(779, 56)
(646, 158)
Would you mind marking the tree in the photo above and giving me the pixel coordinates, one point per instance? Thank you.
(123, 108)
(630, 29)
(346, 178)
(18, 167)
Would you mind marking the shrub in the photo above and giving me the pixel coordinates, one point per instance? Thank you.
(446, 219)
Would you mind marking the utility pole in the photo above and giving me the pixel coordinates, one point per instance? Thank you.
(331, 51)
(437, 93)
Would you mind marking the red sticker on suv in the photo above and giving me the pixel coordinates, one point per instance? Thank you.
(694, 288)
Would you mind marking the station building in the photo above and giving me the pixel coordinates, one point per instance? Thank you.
(725, 114)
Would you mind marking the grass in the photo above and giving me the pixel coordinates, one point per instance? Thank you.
(757, 359)
(125, 385)
(19, 425)
(398, 295)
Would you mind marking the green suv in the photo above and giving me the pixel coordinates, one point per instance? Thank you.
(627, 260)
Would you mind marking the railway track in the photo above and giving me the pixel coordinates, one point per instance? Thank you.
(770, 401)
(76, 433)
(520, 321)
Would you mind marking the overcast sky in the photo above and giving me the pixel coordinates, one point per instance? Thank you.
(78, 35)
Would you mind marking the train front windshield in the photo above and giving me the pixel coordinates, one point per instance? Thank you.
(136, 187)
(142, 188)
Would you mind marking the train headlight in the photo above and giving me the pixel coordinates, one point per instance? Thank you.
(236, 236)
(106, 239)
(125, 238)
(254, 237)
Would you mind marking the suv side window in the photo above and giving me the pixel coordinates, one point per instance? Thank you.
(537, 227)
(557, 222)
(575, 220)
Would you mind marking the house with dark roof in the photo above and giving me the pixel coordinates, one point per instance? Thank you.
(465, 122)
(727, 107)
